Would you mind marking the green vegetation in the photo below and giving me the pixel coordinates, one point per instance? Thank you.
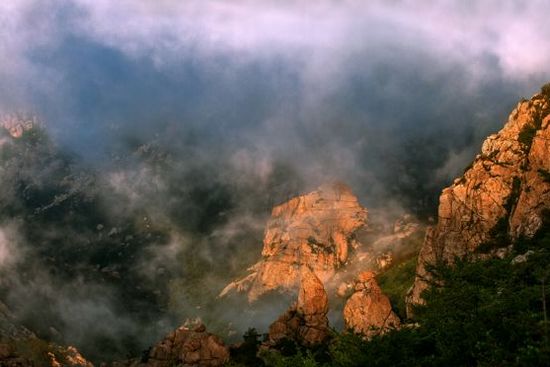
(396, 281)
(545, 90)
(526, 136)
(499, 233)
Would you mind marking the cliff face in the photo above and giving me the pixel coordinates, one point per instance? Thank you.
(315, 230)
(500, 197)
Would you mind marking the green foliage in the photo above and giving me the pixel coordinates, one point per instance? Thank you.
(396, 281)
(246, 353)
(526, 136)
(545, 90)
(498, 235)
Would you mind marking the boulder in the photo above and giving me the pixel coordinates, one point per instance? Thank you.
(368, 311)
(306, 321)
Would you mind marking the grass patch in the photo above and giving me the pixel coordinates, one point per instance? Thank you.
(396, 281)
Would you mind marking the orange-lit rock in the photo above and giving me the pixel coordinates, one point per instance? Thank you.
(188, 347)
(368, 311)
(505, 190)
(306, 321)
(315, 230)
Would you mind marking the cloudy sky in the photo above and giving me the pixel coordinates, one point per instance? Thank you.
(340, 89)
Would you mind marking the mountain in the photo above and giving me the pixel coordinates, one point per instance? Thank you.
(501, 197)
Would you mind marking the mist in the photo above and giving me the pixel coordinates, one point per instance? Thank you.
(171, 128)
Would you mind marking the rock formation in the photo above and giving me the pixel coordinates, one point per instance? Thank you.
(315, 230)
(306, 321)
(368, 311)
(21, 347)
(500, 197)
(189, 347)
(185, 346)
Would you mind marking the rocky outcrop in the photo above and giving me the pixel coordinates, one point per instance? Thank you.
(368, 311)
(315, 231)
(21, 347)
(499, 198)
(188, 347)
(306, 321)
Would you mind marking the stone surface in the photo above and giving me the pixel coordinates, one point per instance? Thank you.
(504, 191)
(368, 311)
(306, 321)
(188, 346)
(315, 230)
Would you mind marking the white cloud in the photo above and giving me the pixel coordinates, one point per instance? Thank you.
(516, 34)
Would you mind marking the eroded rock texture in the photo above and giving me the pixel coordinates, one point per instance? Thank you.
(188, 347)
(306, 321)
(500, 197)
(368, 311)
(315, 231)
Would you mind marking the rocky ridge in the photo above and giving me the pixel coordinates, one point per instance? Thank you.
(501, 196)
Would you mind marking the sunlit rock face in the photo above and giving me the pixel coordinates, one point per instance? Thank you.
(368, 311)
(315, 230)
(504, 191)
(306, 321)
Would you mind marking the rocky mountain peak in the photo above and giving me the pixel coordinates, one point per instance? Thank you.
(315, 230)
(500, 197)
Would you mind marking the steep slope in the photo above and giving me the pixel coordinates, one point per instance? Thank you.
(315, 230)
(501, 196)
(20, 347)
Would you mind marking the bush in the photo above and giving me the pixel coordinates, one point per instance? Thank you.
(396, 281)
(526, 136)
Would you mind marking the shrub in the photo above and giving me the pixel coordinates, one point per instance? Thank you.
(396, 281)
(526, 136)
